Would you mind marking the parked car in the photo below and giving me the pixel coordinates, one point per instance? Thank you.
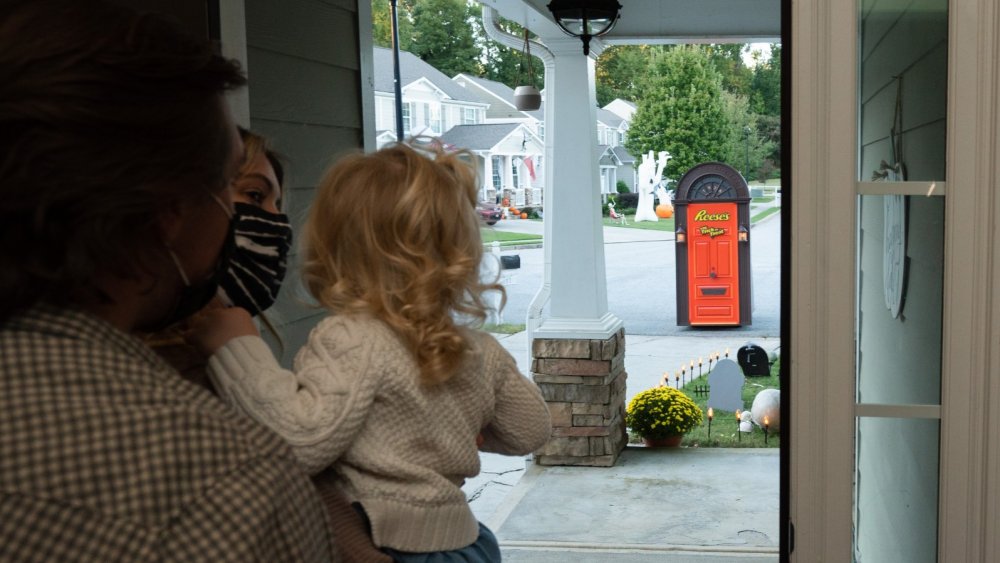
(489, 212)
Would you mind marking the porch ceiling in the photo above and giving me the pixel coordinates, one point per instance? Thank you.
(665, 21)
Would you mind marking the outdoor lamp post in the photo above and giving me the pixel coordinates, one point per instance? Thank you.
(397, 83)
(585, 18)
(746, 143)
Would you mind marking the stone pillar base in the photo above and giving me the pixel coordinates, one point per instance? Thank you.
(583, 382)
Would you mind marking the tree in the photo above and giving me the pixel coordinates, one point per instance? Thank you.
(728, 61)
(766, 86)
(683, 111)
(506, 65)
(744, 150)
(443, 37)
(621, 72)
(382, 23)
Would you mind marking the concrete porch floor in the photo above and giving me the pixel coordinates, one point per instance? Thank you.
(677, 504)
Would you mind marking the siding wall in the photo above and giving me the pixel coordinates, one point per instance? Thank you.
(899, 359)
(305, 79)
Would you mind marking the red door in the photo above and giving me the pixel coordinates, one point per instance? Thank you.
(713, 264)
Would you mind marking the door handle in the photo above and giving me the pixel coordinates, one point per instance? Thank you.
(712, 274)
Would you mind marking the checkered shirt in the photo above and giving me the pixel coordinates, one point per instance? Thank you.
(106, 454)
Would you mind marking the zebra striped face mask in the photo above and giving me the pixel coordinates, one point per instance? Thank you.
(258, 260)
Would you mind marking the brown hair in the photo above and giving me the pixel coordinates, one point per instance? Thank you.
(395, 234)
(105, 116)
(255, 144)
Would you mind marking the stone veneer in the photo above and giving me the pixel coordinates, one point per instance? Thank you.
(583, 382)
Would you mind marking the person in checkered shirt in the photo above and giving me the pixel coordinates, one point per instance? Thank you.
(115, 153)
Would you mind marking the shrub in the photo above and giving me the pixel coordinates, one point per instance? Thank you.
(660, 412)
(533, 211)
(626, 201)
(622, 188)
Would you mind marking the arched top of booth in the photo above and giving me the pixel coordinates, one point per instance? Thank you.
(712, 181)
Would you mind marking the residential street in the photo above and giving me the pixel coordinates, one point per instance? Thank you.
(642, 279)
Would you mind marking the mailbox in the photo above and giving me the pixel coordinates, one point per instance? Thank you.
(712, 242)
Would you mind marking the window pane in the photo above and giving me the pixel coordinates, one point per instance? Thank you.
(903, 72)
(896, 490)
(899, 357)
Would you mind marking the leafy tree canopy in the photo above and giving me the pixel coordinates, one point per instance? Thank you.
(766, 86)
(682, 112)
(443, 36)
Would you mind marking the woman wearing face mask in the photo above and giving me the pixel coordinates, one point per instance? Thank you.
(116, 219)
(256, 269)
(256, 262)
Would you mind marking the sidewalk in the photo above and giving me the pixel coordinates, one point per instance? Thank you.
(698, 505)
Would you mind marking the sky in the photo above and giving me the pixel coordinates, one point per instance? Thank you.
(764, 48)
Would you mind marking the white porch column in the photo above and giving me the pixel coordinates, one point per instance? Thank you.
(488, 174)
(574, 239)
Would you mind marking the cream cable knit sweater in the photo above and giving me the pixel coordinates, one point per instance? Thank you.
(402, 450)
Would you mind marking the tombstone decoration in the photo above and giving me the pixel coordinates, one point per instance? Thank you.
(725, 386)
(650, 176)
(767, 403)
(753, 360)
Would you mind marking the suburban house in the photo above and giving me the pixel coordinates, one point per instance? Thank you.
(622, 108)
(612, 127)
(505, 158)
(500, 97)
(432, 103)
(618, 163)
(508, 150)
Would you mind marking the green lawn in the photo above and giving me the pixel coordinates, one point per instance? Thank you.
(490, 235)
(765, 213)
(661, 225)
(505, 328)
(666, 225)
(724, 433)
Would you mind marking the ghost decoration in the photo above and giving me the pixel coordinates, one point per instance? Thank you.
(650, 178)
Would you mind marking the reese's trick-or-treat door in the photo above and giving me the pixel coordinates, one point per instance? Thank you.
(712, 247)
(713, 264)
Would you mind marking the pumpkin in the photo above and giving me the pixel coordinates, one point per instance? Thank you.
(664, 211)
(524, 216)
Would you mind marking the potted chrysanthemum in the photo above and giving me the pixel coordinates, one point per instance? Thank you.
(662, 415)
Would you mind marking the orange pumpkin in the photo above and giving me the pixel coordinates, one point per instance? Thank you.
(664, 211)
(524, 216)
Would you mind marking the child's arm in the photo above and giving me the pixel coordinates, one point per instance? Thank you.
(521, 422)
(319, 408)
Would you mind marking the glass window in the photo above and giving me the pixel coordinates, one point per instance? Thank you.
(902, 57)
(497, 170)
(515, 175)
(470, 116)
(407, 117)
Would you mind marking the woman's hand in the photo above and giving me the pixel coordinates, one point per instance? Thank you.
(214, 327)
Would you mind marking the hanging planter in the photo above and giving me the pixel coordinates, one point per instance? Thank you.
(527, 98)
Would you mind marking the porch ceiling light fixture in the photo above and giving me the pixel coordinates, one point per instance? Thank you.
(585, 18)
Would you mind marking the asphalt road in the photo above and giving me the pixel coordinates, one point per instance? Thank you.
(641, 280)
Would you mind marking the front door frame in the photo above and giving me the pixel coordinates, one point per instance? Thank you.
(823, 134)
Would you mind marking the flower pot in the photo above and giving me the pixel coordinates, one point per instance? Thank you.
(527, 98)
(668, 442)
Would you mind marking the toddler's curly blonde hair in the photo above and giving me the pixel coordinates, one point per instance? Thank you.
(395, 234)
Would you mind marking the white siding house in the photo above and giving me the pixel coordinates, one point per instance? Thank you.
(432, 103)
